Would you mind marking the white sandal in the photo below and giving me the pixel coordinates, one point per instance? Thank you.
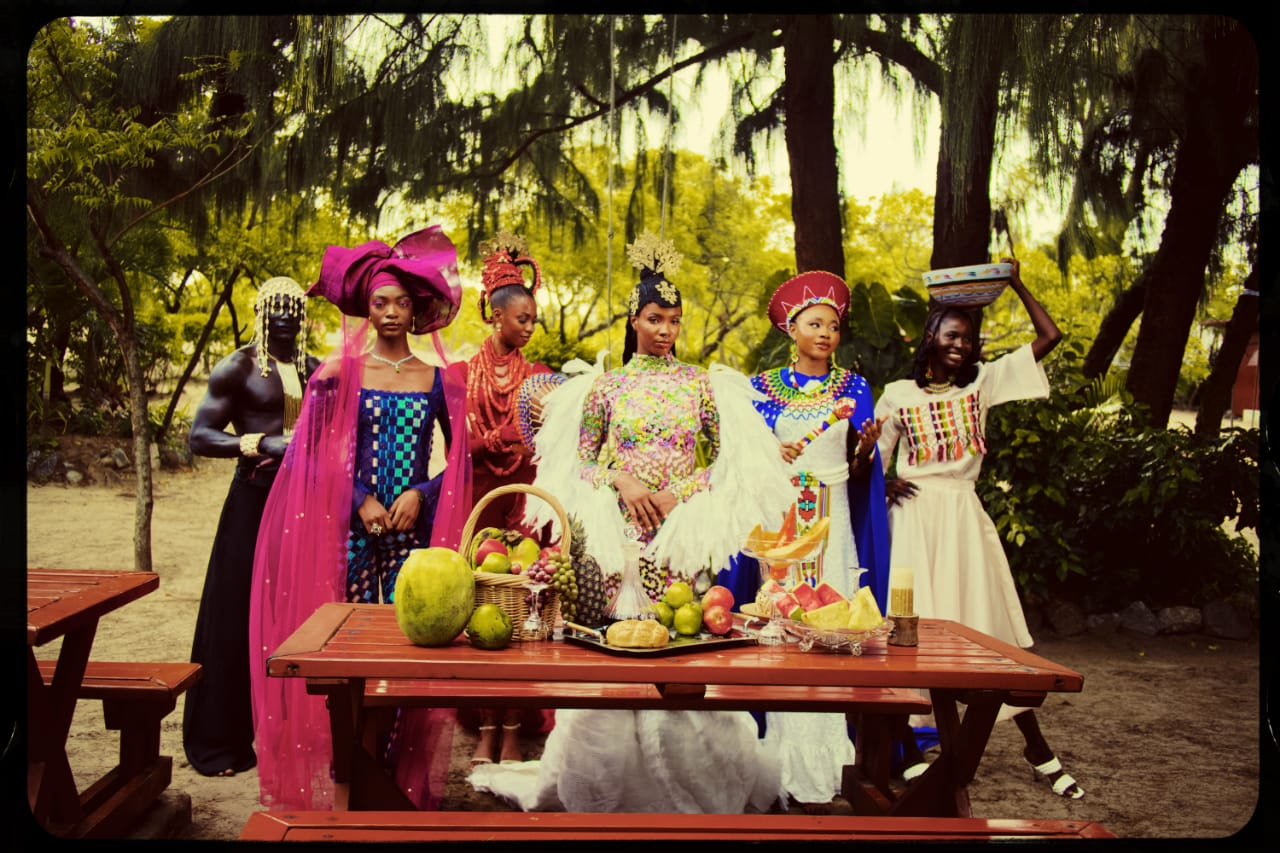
(1062, 783)
(915, 770)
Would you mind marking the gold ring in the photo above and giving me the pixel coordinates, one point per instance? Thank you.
(375, 529)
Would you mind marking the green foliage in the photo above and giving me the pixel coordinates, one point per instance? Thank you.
(1094, 505)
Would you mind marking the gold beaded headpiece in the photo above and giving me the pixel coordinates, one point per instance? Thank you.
(655, 259)
(281, 295)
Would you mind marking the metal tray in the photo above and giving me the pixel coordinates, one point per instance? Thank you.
(678, 645)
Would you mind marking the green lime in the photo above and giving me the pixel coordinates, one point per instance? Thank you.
(678, 594)
(490, 627)
(665, 613)
(687, 620)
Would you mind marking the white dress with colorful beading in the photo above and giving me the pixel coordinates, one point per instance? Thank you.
(942, 532)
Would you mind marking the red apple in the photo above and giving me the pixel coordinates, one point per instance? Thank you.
(720, 595)
(549, 552)
(487, 547)
(717, 619)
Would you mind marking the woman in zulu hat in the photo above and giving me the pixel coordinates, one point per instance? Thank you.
(618, 449)
(936, 422)
(332, 530)
(493, 378)
(835, 475)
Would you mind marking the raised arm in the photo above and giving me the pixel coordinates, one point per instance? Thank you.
(1047, 332)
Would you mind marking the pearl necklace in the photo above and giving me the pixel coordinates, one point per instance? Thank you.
(939, 387)
(396, 364)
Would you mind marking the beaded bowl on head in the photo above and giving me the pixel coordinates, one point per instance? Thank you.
(968, 287)
(816, 287)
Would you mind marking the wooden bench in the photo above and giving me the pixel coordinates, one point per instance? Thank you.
(568, 826)
(136, 697)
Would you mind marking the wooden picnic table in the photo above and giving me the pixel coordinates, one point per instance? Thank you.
(343, 649)
(66, 604)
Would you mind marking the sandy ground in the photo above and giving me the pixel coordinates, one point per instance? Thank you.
(1164, 737)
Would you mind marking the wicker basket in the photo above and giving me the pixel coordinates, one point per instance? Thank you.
(511, 592)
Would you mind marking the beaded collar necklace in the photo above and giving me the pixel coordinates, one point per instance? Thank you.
(492, 382)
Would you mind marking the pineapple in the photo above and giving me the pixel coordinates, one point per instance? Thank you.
(591, 595)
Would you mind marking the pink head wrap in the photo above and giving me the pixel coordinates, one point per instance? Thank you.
(425, 263)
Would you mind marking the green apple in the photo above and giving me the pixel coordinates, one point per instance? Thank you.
(497, 562)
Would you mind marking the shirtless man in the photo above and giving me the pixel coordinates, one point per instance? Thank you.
(259, 396)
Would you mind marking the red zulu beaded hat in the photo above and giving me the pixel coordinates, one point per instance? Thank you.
(815, 287)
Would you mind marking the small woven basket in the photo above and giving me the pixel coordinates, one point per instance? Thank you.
(511, 592)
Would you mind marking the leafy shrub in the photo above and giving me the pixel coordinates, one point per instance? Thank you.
(1098, 507)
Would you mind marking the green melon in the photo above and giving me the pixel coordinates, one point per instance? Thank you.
(434, 595)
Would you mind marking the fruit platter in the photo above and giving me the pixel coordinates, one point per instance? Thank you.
(819, 616)
(679, 622)
(676, 644)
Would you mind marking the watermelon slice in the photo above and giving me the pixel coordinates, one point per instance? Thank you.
(785, 604)
(806, 595)
(828, 594)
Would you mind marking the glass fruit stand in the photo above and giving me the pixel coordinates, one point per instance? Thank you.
(779, 629)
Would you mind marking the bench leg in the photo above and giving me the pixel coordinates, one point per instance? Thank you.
(139, 727)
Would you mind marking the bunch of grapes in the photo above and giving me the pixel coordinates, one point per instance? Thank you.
(540, 571)
(565, 582)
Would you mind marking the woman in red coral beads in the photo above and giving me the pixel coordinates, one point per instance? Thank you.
(493, 377)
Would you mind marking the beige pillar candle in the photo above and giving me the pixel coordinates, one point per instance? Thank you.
(902, 591)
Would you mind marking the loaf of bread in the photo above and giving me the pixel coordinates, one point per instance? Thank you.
(637, 634)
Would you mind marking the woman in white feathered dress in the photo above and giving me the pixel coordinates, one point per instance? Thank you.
(618, 449)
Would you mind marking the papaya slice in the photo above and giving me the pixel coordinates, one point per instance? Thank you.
(788, 531)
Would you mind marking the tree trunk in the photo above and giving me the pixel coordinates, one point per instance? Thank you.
(809, 98)
(1114, 328)
(224, 298)
(966, 144)
(1215, 393)
(122, 323)
(1216, 145)
(141, 452)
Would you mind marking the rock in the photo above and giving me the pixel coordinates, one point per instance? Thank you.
(1102, 623)
(1138, 617)
(1034, 617)
(1178, 619)
(1065, 617)
(46, 467)
(74, 478)
(1227, 619)
(120, 459)
(33, 459)
(173, 458)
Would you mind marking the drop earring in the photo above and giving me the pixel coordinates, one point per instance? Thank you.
(795, 353)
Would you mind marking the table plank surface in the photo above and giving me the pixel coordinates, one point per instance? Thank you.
(352, 640)
(62, 600)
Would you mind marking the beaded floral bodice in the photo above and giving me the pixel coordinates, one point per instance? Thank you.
(644, 418)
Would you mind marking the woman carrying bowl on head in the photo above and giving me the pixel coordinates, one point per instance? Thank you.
(936, 421)
(836, 475)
